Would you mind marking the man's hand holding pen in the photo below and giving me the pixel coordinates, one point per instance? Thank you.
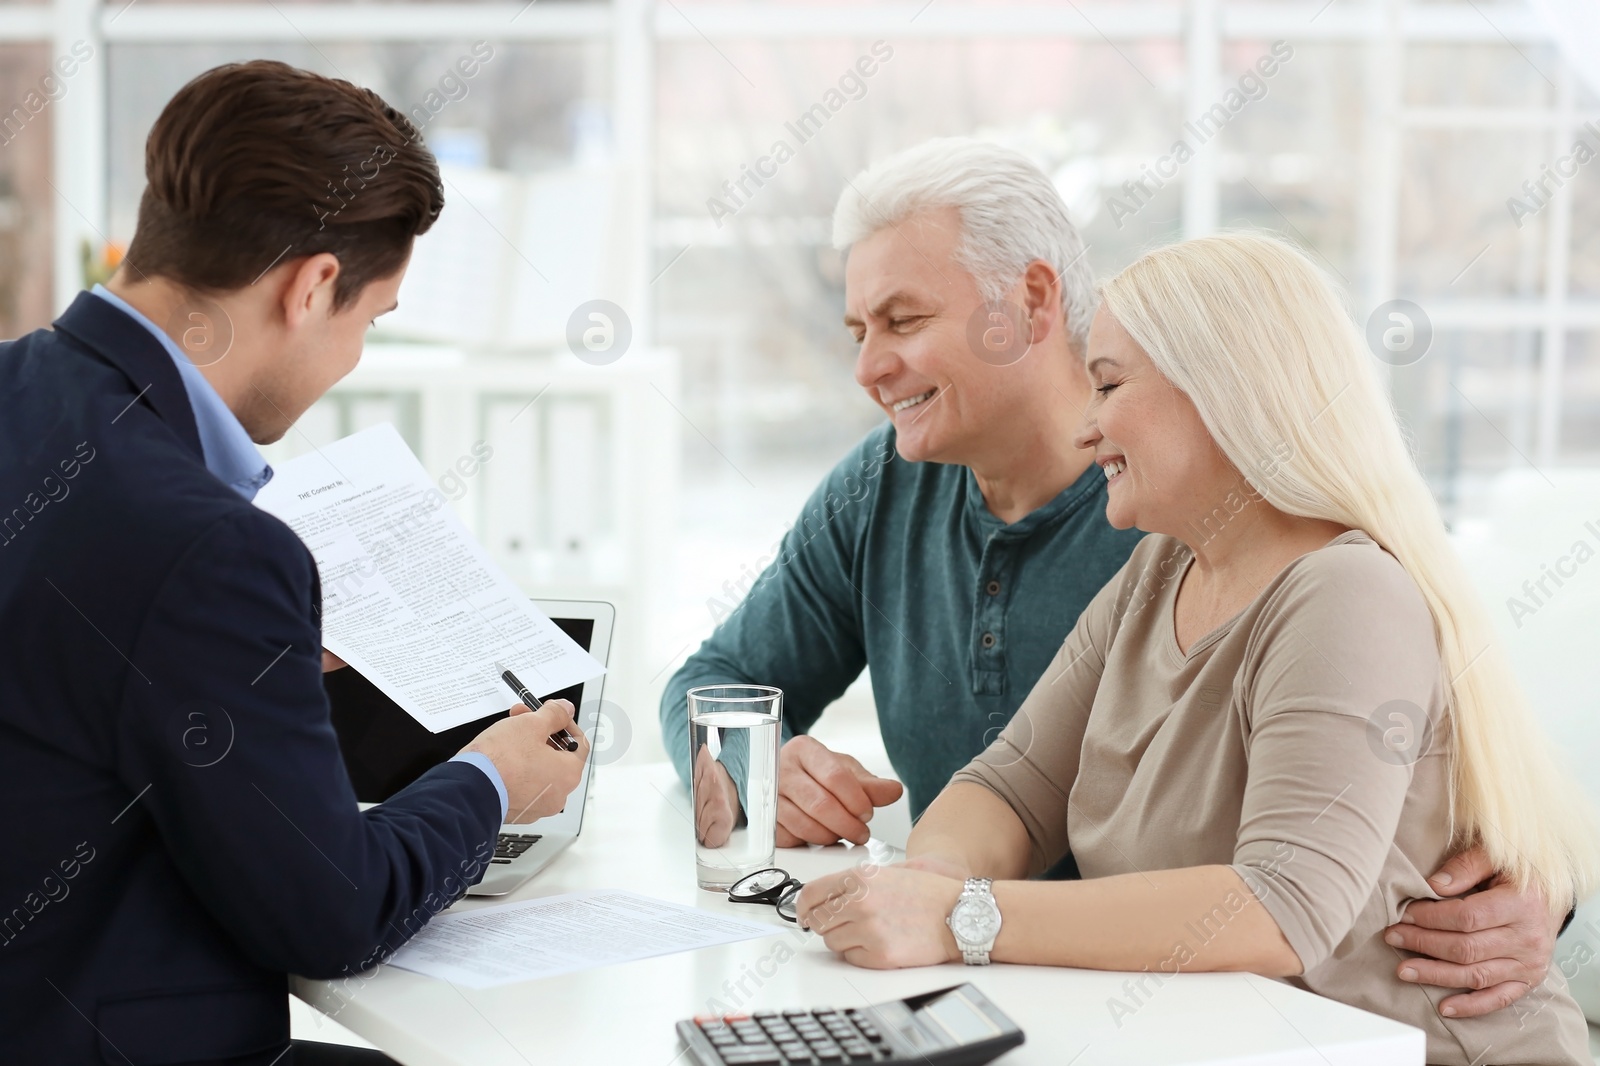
(538, 773)
(561, 740)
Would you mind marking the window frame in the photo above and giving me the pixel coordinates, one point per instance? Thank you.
(635, 27)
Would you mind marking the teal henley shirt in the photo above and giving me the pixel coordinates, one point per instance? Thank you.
(900, 568)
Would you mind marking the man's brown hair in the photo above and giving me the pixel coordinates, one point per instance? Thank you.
(253, 164)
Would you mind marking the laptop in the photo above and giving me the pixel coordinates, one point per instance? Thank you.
(385, 749)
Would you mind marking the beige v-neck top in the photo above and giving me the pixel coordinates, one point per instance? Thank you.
(1303, 743)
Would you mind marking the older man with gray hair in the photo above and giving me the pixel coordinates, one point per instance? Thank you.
(953, 548)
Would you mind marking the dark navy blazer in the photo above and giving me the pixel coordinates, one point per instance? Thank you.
(177, 830)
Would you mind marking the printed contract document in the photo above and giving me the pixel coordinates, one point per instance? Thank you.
(409, 597)
(559, 934)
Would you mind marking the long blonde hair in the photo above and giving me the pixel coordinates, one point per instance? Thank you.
(1260, 341)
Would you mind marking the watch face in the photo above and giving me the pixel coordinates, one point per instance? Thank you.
(974, 921)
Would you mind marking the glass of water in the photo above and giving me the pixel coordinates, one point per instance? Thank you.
(734, 734)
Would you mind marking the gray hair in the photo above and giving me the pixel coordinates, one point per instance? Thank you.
(1011, 214)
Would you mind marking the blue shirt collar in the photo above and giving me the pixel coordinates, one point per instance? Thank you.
(229, 452)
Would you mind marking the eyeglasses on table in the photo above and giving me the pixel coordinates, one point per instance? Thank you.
(772, 886)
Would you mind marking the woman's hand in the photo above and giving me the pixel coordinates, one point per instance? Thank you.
(883, 917)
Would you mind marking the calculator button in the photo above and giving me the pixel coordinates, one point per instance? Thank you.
(796, 1053)
(752, 1056)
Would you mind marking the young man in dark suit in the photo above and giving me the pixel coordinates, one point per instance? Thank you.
(178, 827)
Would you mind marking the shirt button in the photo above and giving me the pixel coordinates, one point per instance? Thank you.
(992, 588)
(988, 640)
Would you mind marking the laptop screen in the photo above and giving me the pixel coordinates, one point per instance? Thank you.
(385, 749)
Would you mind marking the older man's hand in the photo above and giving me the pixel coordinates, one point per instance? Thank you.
(1486, 936)
(825, 796)
(716, 801)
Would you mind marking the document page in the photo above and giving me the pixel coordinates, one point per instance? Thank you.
(409, 597)
(560, 934)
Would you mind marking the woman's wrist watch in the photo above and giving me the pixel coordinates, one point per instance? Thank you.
(975, 921)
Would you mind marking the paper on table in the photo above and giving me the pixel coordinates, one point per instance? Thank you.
(560, 934)
(409, 597)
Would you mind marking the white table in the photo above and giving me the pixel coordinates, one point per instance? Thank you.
(637, 836)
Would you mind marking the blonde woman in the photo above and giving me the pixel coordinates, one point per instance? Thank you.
(1281, 714)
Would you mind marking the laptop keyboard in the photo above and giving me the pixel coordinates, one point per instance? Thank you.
(511, 846)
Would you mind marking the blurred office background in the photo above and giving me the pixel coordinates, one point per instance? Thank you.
(582, 154)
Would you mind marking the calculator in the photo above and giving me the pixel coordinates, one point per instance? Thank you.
(955, 1026)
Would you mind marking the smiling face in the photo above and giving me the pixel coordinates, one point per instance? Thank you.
(1165, 472)
(908, 303)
